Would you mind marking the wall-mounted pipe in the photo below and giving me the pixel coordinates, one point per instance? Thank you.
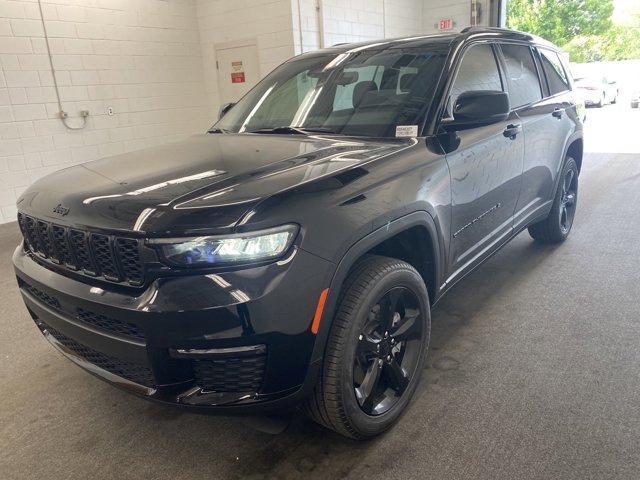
(63, 115)
(320, 12)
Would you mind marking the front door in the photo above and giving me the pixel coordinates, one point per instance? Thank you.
(485, 169)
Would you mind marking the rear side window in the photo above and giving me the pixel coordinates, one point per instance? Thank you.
(478, 71)
(554, 71)
(524, 84)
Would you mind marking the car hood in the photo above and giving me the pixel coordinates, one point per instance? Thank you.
(205, 183)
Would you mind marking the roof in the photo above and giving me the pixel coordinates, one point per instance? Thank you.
(445, 39)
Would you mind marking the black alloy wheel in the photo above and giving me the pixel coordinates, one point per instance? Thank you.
(568, 200)
(556, 226)
(388, 351)
(376, 349)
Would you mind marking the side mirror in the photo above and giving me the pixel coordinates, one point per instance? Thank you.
(224, 109)
(479, 108)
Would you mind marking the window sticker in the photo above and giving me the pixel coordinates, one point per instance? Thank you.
(406, 131)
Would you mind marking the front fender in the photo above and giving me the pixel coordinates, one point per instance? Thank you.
(358, 249)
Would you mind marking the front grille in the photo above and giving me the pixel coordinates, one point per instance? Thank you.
(116, 259)
(60, 240)
(104, 256)
(230, 374)
(129, 253)
(134, 372)
(80, 248)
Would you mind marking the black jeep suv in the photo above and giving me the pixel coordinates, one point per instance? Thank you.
(290, 255)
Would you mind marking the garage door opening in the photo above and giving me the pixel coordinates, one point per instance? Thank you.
(601, 40)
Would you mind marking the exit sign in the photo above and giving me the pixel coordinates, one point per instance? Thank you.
(445, 24)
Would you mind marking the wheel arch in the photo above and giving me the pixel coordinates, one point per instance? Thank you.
(388, 240)
(575, 150)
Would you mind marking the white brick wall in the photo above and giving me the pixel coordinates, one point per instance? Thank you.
(140, 57)
(403, 17)
(154, 63)
(268, 22)
(361, 20)
(458, 10)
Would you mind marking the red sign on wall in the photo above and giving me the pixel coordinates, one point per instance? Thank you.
(445, 24)
(237, 77)
(237, 73)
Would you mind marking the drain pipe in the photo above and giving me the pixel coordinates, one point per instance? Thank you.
(320, 12)
(63, 115)
(384, 19)
(300, 37)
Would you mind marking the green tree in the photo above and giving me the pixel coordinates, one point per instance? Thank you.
(617, 43)
(559, 21)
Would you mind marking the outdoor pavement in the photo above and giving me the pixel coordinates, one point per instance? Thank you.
(534, 372)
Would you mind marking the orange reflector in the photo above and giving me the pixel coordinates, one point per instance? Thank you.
(315, 325)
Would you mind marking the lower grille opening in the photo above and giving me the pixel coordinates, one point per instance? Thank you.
(108, 324)
(96, 320)
(136, 373)
(231, 374)
(49, 300)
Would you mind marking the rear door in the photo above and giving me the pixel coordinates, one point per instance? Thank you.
(485, 168)
(542, 108)
(526, 98)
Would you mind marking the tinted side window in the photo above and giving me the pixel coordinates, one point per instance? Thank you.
(553, 69)
(524, 85)
(478, 71)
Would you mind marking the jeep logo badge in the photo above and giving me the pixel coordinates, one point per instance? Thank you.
(60, 210)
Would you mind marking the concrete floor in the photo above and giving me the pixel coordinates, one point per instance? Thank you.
(534, 372)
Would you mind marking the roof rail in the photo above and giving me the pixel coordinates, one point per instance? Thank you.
(485, 29)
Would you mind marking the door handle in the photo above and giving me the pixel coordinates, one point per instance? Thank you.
(557, 112)
(512, 131)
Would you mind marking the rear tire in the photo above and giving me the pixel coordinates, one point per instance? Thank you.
(373, 360)
(557, 226)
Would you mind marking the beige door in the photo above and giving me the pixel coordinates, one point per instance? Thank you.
(238, 71)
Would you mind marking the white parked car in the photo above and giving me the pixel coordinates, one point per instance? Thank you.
(597, 91)
(635, 99)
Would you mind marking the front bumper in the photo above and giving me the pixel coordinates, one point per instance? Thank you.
(226, 341)
(591, 97)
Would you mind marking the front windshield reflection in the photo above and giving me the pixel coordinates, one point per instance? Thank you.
(367, 91)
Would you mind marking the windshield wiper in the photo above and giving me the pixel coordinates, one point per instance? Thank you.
(218, 130)
(287, 129)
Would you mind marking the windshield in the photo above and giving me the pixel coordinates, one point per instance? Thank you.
(363, 92)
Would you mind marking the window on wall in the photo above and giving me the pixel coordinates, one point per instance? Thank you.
(524, 85)
(478, 71)
(554, 71)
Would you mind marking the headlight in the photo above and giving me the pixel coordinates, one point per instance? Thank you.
(222, 250)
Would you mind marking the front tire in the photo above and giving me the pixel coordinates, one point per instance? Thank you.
(376, 350)
(556, 227)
